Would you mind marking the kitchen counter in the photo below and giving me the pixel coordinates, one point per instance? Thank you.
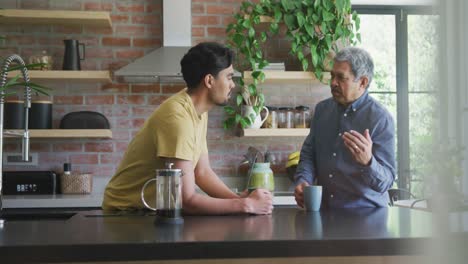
(289, 232)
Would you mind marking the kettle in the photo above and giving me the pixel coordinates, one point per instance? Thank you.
(71, 57)
(168, 195)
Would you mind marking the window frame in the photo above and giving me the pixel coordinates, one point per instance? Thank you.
(402, 83)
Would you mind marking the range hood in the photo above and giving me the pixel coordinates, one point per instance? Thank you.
(163, 64)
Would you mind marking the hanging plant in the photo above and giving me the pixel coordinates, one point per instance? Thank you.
(314, 28)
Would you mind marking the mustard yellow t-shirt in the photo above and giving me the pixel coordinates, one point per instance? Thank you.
(174, 130)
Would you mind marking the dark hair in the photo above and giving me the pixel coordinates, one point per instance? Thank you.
(202, 59)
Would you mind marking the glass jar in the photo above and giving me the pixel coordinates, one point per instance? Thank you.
(302, 117)
(43, 58)
(272, 119)
(261, 177)
(285, 117)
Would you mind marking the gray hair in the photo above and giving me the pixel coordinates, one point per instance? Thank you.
(360, 61)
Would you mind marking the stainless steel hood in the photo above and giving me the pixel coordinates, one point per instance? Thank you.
(163, 64)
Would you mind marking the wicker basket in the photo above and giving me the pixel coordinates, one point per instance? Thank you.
(76, 183)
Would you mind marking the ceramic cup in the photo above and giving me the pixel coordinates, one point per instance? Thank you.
(312, 197)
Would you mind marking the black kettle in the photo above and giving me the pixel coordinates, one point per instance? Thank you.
(71, 58)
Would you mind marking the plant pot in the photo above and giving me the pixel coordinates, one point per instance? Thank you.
(14, 114)
(258, 121)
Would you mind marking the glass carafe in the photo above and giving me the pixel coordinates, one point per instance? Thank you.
(168, 195)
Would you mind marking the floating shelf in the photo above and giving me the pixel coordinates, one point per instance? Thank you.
(276, 132)
(57, 17)
(103, 76)
(287, 76)
(64, 133)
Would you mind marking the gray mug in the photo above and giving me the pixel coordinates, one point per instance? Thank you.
(312, 197)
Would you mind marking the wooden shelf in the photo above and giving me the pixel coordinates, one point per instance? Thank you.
(55, 17)
(103, 76)
(64, 133)
(287, 76)
(276, 132)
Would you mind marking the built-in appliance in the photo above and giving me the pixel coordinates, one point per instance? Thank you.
(30, 182)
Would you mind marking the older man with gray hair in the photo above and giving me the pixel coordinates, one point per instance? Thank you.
(350, 149)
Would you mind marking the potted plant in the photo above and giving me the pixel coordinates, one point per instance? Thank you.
(313, 27)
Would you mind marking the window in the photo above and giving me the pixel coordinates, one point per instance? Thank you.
(403, 42)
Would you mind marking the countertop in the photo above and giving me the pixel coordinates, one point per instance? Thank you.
(289, 232)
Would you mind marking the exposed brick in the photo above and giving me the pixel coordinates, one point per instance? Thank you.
(98, 30)
(146, 19)
(87, 158)
(130, 99)
(156, 100)
(129, 54)
(99, 52)
(93, 6)
(216, 32)
(154, 8)
(228, 20)
(155, 30)
(198, 8)
(198, 31)
(120, 135)
(68, 99)
(64, 5)
(130, 7)
(10, 147)
(40, 147)
(99, 147)
(115, 111)
(37, 4)
(74, 29)
(22, 40)
(220, 9)
(100, 99)
(138, 122)
(144, 111)
(146, 42)
(145, 88)
(125, 30)
(68, 147)
(172, 88)
(115, 87)
(205, 20)
(113, 64)
(119, 18)
(111, 158)
(113, 41)
(121, 147)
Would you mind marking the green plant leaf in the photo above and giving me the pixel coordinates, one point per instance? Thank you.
(255, 74)
(340, 4)
(285, 4)
(274, 28)
(239, 99)
(263, 36)
(247, 23)
(310, 29)
(251, 32)
(238, 39)
(289, 21)
(229, 123)
(229, 110)
(278, 15)
(262, 76)
(313, 52)
(305, 64)
(300, 19)
(327, 16)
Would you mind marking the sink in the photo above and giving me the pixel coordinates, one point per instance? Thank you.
(35, 216)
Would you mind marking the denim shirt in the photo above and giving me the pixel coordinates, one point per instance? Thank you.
(325, 159)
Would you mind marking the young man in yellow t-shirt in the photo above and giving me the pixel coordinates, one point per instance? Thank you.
(176, 132)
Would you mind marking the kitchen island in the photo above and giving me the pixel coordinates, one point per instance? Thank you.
(289, 235)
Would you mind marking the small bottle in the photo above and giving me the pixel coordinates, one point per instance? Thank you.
(67, 169)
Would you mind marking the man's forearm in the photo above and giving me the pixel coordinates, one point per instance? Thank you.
(202, 204)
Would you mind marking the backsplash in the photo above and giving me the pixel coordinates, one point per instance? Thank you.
(137, 30)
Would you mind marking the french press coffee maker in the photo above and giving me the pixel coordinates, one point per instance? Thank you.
(168, 195)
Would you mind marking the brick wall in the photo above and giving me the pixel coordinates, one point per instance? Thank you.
(137, 30)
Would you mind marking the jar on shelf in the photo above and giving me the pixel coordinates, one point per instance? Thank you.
(43, 58)
(272, 119)
(302, 117)
(285, 117)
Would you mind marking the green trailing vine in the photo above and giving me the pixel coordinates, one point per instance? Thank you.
(314, 28)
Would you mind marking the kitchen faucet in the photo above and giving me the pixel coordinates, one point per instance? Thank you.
(27, 105)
